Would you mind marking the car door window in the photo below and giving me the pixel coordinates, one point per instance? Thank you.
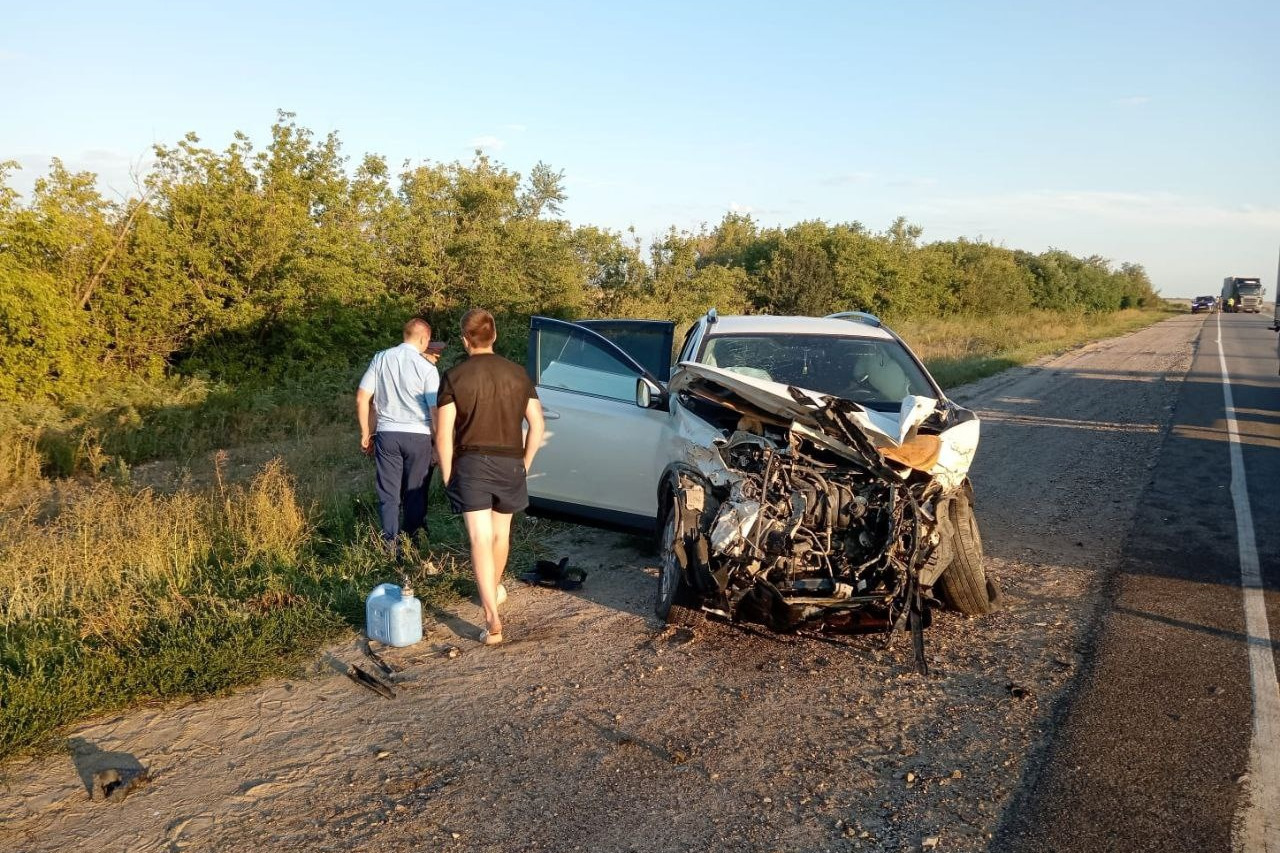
(572, 359)
(646, 341)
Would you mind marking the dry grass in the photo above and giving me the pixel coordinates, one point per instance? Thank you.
(112, 593)
(115, 558)
(962, 349)
(19, 467)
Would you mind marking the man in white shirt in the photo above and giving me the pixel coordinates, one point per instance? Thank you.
(399, 389)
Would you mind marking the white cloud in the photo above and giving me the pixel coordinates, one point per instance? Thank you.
(104, 155)
(1157, 208)
(734, 207)
(911, 183)
(488, 142)
(1132, 101)
(862, 178)
(847, 178)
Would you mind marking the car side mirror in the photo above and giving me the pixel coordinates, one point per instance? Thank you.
(649, 395)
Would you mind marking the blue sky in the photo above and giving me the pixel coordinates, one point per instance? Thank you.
(1138, 131)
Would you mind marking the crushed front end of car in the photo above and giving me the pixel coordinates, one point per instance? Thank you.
(810, 509)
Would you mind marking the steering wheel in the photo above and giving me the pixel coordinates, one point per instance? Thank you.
(859, 385)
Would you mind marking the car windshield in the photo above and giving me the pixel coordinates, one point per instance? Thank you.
(875, 373)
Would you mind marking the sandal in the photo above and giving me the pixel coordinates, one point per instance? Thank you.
(558, 575)
(490, 639)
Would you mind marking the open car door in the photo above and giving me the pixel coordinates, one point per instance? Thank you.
(603, 453)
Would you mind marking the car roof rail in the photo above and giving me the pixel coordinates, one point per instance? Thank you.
(856, 317)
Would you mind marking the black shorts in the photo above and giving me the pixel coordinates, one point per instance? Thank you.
(479, 481)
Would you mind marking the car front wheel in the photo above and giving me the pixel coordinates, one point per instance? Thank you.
(670, 578)
(965, 585)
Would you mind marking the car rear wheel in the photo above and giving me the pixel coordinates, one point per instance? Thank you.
(964, 585)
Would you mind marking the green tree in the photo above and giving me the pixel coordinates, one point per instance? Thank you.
(251, 264)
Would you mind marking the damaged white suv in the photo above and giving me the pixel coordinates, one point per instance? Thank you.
(796, 468)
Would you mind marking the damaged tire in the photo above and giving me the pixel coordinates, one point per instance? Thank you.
(673, 592)
(964, 585)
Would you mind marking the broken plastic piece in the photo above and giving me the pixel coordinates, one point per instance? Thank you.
(370, 681)
(116, 783)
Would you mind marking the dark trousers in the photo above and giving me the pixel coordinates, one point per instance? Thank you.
(404, 471)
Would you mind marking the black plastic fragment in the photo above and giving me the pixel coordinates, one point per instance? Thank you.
(559, 575)
(370, 681)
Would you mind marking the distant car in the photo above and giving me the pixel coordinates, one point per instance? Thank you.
(1204, 303)
(794, 468)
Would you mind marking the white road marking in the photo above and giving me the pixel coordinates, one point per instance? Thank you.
(1257, 828)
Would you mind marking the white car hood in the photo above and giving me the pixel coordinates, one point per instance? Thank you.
(883, 429)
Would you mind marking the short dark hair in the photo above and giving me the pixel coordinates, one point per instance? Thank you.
(478, 328)
(416, 326)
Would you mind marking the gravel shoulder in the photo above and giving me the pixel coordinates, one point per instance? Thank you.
(589, 729)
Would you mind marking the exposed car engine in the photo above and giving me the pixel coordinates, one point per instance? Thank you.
(807, 520)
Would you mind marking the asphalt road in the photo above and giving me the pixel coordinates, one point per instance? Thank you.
(1152, 751)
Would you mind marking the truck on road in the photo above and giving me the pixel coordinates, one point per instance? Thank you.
(1241, 293)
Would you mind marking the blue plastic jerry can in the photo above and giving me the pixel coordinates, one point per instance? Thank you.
(393, 617)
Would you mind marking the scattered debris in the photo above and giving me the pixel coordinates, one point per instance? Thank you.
(370, 681)
(559, 575)
(1017, 691)
(386, 670)
(116, 783)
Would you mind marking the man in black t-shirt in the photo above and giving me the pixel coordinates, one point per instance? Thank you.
(484, 456)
